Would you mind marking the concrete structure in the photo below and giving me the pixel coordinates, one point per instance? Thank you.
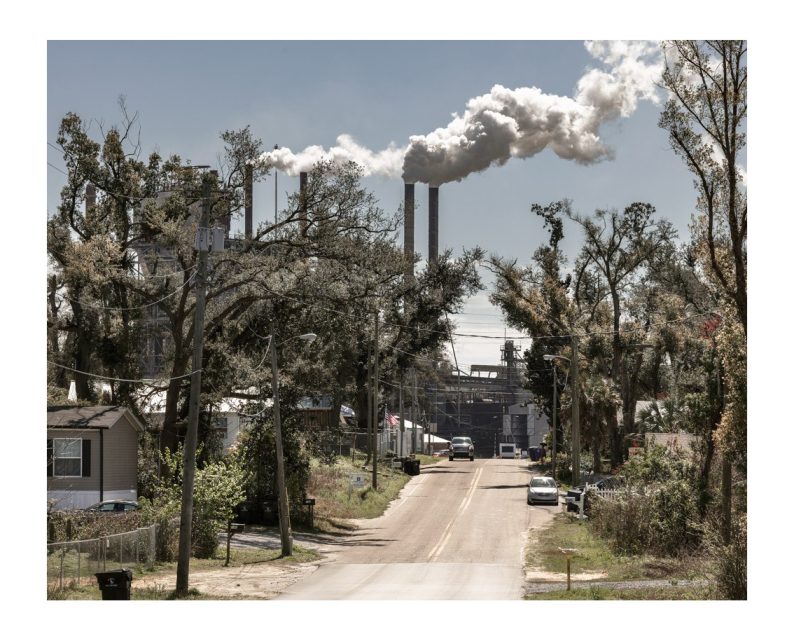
(92, 455)
(408, 224)
(432, 231)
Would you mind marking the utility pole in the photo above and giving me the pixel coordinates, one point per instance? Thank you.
(275, 199)
(413, 413)
(375, 409)
(203, 238)
(575, 408)
(369, 402)
(401, 451)
(554, 424)
(281, 480)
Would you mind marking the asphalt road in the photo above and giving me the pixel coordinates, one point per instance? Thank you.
(457, 531)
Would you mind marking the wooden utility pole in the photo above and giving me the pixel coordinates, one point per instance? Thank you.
(575, 408)
(554, 423)
(281, 475)
(369, 402)
(203, 238)
(401, 451)
(375, 409)
(413, 413)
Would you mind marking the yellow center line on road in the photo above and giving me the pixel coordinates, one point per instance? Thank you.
(442, 542)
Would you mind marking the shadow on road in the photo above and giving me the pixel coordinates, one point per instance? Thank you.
(502, 487)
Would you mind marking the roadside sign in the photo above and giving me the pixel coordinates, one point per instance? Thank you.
(357, 480)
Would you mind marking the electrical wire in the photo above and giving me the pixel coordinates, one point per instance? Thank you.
(129, 309)
(121, 380)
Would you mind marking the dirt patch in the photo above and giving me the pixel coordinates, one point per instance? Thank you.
(542, 520)
(251, 581)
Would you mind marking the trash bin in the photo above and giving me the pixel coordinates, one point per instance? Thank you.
(572, 497)
(534, 453)
(411, 466)
(115, 585)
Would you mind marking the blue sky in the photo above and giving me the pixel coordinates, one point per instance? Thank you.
(300, 93)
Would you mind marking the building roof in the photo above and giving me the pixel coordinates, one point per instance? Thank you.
(93, 417)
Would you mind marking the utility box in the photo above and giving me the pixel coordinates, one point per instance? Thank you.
(507, 450)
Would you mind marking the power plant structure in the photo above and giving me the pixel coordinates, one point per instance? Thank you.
(409, 222)
(490, 405)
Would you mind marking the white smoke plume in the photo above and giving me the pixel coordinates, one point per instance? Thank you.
(387, 163)
(511, 123)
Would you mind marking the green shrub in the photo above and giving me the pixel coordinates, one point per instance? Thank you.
(77, 525)
(657, 511)
(730, 560)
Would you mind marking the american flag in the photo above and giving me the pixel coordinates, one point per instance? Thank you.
(391, 419)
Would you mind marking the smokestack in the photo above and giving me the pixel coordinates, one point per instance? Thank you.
(303, 217)
(90, 198)
(432, 233)
(249, 201)
(408, 226)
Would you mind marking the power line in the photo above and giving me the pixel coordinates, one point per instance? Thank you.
(129, 309)
(120, 380)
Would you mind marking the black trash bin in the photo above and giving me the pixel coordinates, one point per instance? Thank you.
(115, 585)
(414, 467)
(534, 453)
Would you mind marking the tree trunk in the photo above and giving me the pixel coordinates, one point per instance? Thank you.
(82, 350)
(595, 428)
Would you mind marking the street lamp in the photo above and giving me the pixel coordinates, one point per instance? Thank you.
(281, 481)
(551, 357)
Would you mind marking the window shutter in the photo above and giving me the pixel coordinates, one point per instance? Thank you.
(86, 457)
(49, 457)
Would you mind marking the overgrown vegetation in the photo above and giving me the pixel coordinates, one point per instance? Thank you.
(594, 555)
(337, 501)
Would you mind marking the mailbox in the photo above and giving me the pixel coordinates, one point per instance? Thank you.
(308, 501)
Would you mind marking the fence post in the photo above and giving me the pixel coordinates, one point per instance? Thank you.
(152, 544)
(60, 579)
(79, 573)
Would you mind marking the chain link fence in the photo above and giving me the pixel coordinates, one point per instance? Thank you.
(75, 562)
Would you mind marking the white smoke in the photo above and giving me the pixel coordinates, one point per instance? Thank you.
(510, 123)
(387, 163)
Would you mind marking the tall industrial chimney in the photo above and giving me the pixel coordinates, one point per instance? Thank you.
(432, 233)
(303, 216)
(249, 201)
(408, 224)
(90, 198)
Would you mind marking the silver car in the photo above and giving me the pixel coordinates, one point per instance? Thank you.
(461, 446)
(542, 489)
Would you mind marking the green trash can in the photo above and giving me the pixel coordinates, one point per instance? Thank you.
(115, 585)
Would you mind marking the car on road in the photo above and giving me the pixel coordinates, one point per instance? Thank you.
(461, 447)
(542, 489)
(113, 506)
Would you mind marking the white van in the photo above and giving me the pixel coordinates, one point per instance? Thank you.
(507, 450)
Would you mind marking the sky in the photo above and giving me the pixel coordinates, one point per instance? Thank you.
(302, 93)
(379, 90)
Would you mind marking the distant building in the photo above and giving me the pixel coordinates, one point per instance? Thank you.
(494, 405)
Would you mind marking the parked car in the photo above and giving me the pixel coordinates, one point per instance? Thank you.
(113, 506)
(542, 489)
(461, 447)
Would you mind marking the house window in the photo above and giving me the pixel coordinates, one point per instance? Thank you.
(67, 456)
